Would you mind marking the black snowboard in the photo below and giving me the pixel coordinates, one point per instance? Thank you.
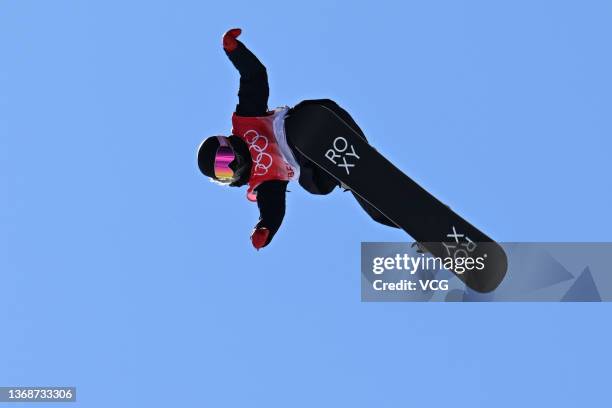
(327, 140)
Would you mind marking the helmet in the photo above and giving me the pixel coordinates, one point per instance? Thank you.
(225, 160)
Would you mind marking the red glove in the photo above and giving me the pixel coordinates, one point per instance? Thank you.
(229, 39)
(259, 237)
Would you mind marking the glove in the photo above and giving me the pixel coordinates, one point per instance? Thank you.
(229, 39)
(259, 237)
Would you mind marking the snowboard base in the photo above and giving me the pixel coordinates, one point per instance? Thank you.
(322, 136)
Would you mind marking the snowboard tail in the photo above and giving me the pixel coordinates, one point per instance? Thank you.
(322, 136)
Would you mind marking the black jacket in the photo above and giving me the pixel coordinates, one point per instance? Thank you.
(253, 101)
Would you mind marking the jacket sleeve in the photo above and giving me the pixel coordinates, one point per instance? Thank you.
(271, 203)
(254, 91)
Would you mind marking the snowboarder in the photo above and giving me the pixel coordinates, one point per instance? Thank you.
(260, 152)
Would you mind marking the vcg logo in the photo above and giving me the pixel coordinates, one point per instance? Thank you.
(342, 154)
(258, 144)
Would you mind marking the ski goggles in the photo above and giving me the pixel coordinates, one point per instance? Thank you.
(224, 156)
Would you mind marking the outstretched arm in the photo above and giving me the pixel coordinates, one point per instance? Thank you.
(271, 203)
(253, 93)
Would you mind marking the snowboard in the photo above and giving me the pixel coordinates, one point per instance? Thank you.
(323, 137)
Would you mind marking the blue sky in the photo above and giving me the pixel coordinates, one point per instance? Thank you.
(127, 274)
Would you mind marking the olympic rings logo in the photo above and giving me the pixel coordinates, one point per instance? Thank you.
(258, 143)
